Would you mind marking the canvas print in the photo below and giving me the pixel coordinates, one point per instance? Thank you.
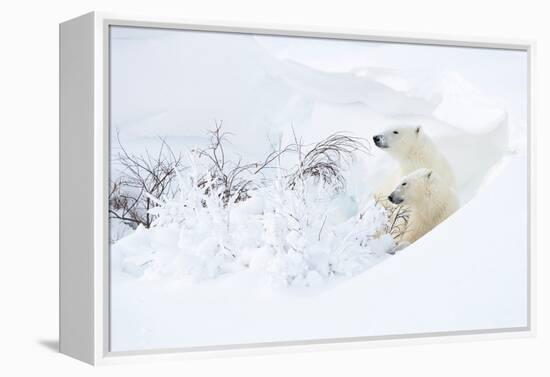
(276, 189)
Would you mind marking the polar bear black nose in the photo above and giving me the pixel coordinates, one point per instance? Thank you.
(380, 141)
(390, 198)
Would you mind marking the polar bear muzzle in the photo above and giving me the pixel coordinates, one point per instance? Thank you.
(395, 198)
(380, 141)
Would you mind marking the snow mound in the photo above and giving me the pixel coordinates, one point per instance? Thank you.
(459, 102)
(301, 235)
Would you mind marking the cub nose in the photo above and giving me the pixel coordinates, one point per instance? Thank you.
(376, 138)
(390, 198)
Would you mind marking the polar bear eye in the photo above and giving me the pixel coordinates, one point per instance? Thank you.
(396, 132)
(404, 184)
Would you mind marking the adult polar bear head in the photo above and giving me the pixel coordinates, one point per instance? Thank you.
(413, 149)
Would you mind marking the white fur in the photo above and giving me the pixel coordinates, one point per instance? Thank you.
(429, 199)
(413, 149)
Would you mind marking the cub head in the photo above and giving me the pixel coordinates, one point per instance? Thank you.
(413, 188)
(398, 140)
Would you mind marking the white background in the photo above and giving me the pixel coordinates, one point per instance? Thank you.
(29, 184)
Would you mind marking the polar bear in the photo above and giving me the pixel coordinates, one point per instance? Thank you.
(413, 149)
(429, 200)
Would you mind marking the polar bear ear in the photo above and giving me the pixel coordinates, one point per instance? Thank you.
(418, 128)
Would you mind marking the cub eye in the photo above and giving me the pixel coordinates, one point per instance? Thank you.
(395, 132)
(404, 184)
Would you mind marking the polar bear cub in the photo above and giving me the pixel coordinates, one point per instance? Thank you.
(429, 199)
(413, 149)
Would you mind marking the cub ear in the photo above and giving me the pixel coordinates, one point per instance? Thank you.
(418, 128)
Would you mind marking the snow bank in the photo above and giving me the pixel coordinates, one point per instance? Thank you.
(461, 277)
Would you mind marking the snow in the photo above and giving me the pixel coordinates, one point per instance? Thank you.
(312, 262)
(299, 236)
(441, 283)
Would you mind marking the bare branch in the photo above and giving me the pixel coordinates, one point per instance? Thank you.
(142, 177)
(326, 159)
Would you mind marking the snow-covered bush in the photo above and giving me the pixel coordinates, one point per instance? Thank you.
(137, 180)
(314, 233)
(298, 223)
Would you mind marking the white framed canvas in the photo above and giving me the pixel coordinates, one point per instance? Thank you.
(248, 188)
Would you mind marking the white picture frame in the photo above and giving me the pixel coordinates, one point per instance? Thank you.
(84, 169)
